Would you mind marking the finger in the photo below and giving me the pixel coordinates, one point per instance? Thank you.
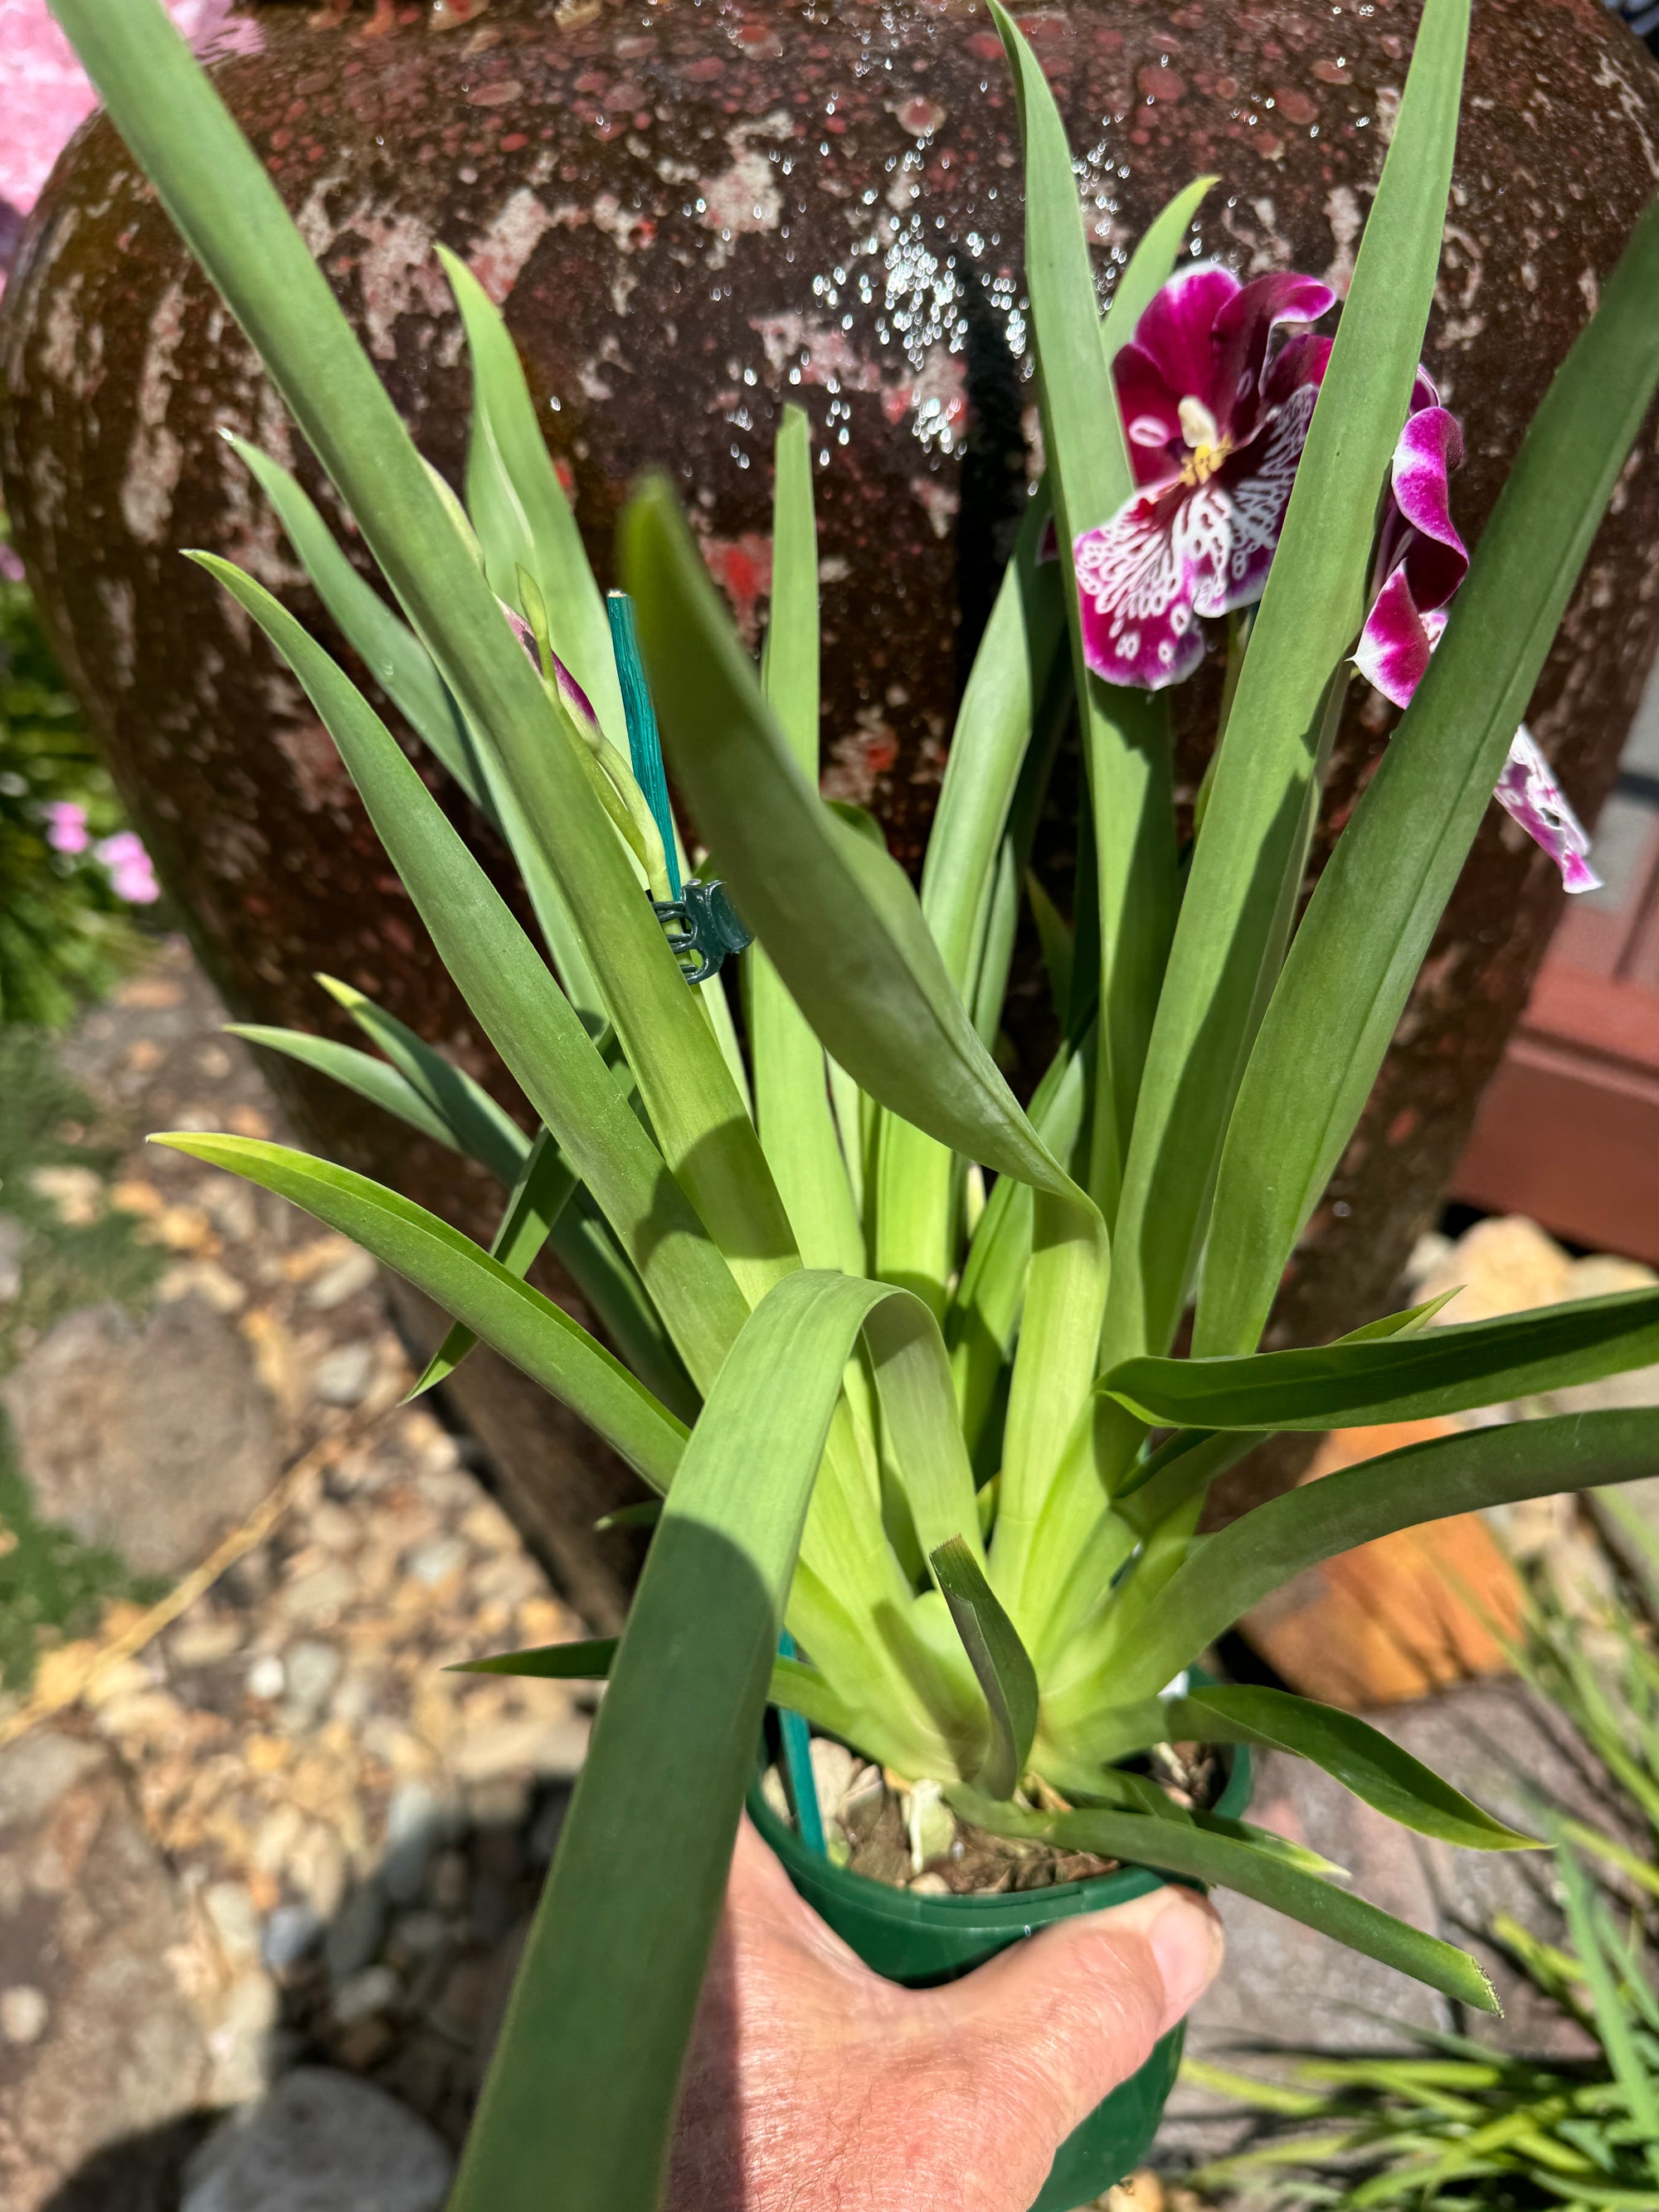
(1078, 2009)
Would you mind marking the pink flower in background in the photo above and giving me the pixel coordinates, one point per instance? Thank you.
(1420, 561)
(1215, 431)
(44, 95)
(11, 568)
(130, 870)
(66, 826)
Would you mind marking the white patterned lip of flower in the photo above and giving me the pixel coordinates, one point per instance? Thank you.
(1215, 431)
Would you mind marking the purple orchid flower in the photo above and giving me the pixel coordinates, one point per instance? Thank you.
(1421, 561)
(1215, 431)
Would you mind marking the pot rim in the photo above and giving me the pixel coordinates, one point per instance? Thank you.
(1009, 1909)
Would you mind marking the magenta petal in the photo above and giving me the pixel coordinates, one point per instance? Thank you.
(1242, 329)
(1175, 328)
(1134, 593)
(1430, 446)
(575, 699)
(1395, 643)
(1151, 420)
(1528, 793)
(1300, 361)
(1425, 392)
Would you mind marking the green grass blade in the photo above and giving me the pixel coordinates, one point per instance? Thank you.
(1233, 911)
(1001, 1662)
(507, 432)
(837, 917)
(579, 2102)
(1374, 912)
(359, 1072)
(1413, 1375)
(1239, 1565)
(519, 1323)
(521, 1008)
(1613, 2021)
(482, 1130)
(1179, 1848)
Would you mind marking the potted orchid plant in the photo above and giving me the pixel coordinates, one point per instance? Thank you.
(896, 1351)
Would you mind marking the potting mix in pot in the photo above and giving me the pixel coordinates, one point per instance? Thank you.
(896, 1352)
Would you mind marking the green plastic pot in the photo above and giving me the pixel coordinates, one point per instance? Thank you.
(923, 1941)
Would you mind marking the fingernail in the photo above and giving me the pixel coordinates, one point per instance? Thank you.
(1186, 1940)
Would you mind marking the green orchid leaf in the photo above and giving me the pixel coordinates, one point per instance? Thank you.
(792, 1112)
(1412, 1375)
(359, 1072)
(538, 1198)
(1000, 1661)
(508, 446)
(1125, 734)
(579, 2101)
(644, 1514)
(837, 917)
(519, 1006)
(482, 1130)
(1374, 910)
(1361, 1757)
(548, 1663)
(1242, 1564)
(1153, 263)
(1246, 865)
(1176, 1848)
(521, 1324)
(393, 655)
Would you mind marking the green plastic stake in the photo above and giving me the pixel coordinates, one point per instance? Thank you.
(797, 1767)
(644, 746)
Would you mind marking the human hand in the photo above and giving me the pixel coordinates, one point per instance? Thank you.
(812, 2084)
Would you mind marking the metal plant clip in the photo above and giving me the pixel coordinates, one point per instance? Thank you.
(700, 922)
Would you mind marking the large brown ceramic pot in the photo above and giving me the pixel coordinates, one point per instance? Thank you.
(691, 212)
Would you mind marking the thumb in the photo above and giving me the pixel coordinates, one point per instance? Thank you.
(1076, 2009)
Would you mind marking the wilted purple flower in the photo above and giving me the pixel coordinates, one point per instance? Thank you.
(1420, 558)
(66, 826)
(1421, 561)
(1215, 431)
(1528, 793)
(130, 870)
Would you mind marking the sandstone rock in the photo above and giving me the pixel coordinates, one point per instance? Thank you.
(100, 2045)
(321, 2143)
(114, 1446)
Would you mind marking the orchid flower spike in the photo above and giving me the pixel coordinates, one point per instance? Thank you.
(1215, 429)
(1420, 562)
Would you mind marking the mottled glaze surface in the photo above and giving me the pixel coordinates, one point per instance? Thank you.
(691, 213)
